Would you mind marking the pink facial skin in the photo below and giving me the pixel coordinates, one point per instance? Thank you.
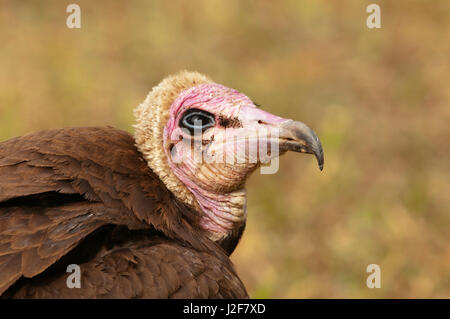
(217, 185)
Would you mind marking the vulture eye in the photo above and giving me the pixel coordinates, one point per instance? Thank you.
(195, 119)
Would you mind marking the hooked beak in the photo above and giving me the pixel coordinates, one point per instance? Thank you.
(298, 137)
(292, 135)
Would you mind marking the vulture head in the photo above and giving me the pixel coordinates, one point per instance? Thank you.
(204, 139)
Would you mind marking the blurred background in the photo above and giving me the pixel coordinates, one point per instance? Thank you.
(377, 98)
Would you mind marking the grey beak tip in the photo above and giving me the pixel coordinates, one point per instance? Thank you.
(298, 131)
(320, 160)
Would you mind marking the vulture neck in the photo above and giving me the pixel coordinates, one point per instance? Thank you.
(223, 212)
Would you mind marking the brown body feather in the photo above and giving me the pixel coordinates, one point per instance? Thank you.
(87, 196)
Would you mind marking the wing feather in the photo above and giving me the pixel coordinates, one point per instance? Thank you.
(57, 187)
(149, 269)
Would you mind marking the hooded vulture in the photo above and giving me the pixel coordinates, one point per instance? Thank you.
(140, 215)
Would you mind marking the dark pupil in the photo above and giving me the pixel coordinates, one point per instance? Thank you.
(195, 119)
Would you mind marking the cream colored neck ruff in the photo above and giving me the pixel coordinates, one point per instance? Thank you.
(151, 118)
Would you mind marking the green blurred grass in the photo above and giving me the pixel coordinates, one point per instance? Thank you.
(378, 99)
